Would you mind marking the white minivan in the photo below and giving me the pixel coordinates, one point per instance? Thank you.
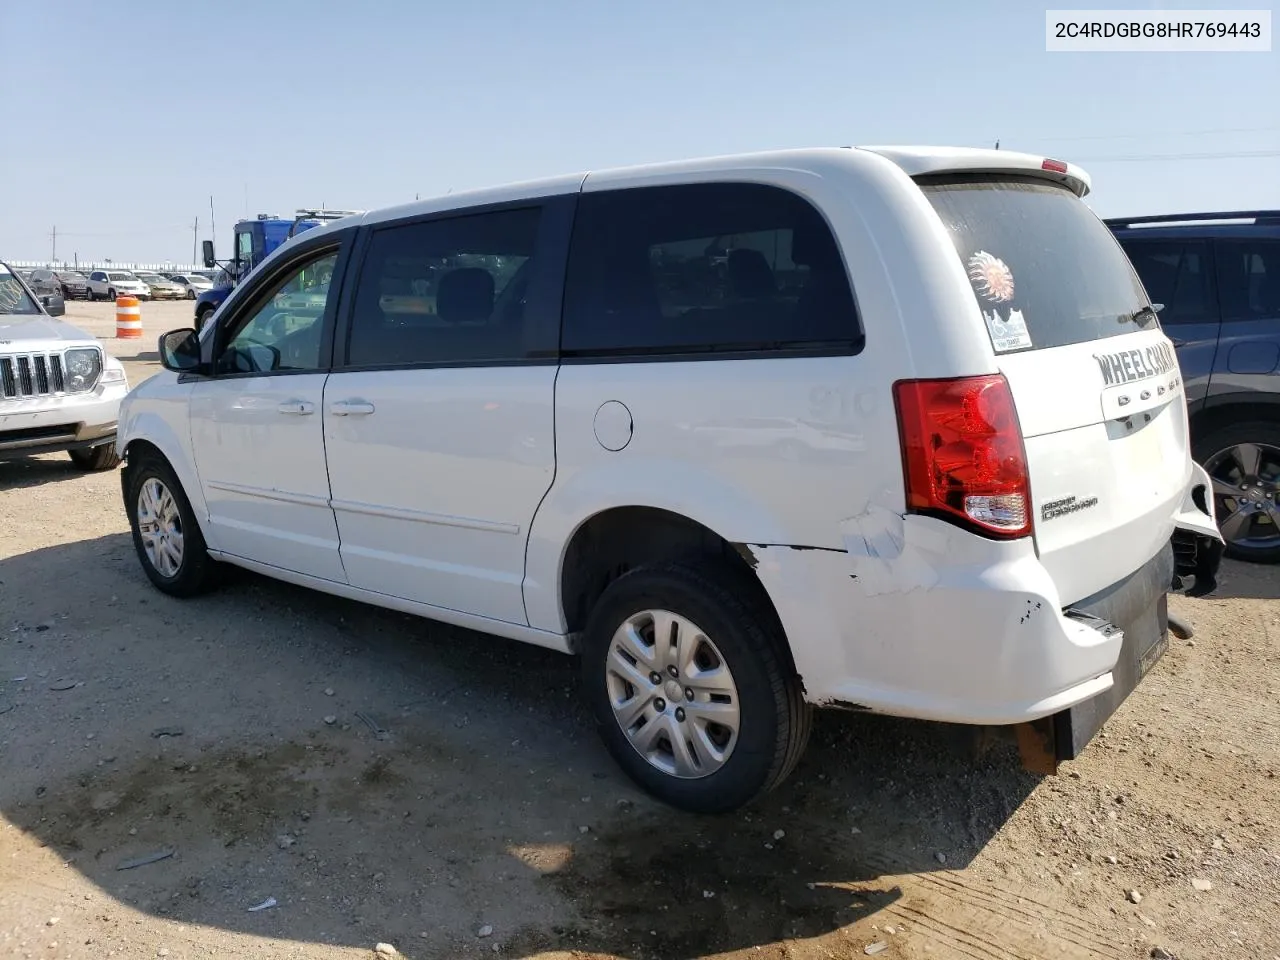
(882, 429)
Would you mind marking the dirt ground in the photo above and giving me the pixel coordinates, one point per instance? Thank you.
(387, 780)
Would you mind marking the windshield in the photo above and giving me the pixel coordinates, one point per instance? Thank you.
(69, 275)
(121, 276)
(150, 278)
(13, 296)
(1046, 272)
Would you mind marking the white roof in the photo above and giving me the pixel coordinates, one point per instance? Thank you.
(914, 161)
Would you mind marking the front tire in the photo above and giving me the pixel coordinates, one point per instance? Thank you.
(684, 668)
(102, 457)
(166, 536)
(1243, 461)
(111, 295)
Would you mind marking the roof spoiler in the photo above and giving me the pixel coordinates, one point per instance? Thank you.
(1254, 216)
(942, 161)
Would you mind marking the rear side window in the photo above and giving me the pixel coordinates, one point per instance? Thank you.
(1046, 272)
(445, 291)
(1249, 279)
(1176, 274)
(701, 268)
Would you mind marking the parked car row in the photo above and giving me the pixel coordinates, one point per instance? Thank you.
(107, 284)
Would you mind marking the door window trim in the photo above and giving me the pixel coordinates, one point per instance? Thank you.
(1219, 255)
(1209, 263)
(544, 301)
(249, 298)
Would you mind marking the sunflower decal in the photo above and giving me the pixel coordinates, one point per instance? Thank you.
(991, 276)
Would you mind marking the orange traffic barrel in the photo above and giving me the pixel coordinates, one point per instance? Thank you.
(128, 318)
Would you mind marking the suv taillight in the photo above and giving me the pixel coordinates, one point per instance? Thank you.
(962, 453)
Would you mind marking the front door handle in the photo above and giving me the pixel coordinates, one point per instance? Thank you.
(351, 408)
(297, 408)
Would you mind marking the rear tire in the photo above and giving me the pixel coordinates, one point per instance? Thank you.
(158, 507)
(102, 457)
(738, 637)
(1220, 452)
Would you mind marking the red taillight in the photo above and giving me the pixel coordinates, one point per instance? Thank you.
(1057, 166)
(962, 453)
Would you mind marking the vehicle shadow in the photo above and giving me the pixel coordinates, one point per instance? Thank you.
(34, 471)
(1247, 581)
(388, 779)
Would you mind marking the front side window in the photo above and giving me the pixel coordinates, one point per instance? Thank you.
(14, 300)
(244, 252)
(1175, 274)
(285, 330)
(445, 291)
(1249, 279)
(699, 268)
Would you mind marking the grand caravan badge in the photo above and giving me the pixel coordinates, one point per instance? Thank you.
(1130, 365)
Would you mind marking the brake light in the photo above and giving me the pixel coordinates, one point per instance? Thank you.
(1057, 166)
(963, 455)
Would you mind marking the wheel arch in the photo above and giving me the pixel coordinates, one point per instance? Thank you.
(1233, 408)
(613, 540)
(148, 433)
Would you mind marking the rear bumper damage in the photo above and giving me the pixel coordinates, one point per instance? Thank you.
(917, 618)
(1137, 608)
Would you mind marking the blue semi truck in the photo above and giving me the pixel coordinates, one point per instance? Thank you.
(254, 240)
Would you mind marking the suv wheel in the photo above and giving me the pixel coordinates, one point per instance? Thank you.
(1243, 460)
(111, 294)
(101, 457)
(689, 687)
(165, 532)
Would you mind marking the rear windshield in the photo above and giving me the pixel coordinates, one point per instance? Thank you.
(1046, 272)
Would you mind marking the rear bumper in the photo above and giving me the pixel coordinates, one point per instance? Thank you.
(1138, 607)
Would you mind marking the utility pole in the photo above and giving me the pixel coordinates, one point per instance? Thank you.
(195, 239)
(997, 144)
(55, 243)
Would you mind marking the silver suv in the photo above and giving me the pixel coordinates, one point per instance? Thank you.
(59, 390)
(109, 284)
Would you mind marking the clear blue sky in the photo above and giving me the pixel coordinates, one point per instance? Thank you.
(123, 117)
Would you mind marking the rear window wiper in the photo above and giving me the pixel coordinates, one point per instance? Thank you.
(1142, 316)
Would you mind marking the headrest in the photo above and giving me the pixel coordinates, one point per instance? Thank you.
(465, 295)
(750, 275)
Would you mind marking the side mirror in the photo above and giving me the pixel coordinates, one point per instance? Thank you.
(180, 350)
(55, 308)
(206, 248)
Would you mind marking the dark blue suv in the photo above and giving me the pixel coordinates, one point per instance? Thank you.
(1218, 278)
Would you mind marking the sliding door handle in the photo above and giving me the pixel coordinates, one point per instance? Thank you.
(351, 408)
